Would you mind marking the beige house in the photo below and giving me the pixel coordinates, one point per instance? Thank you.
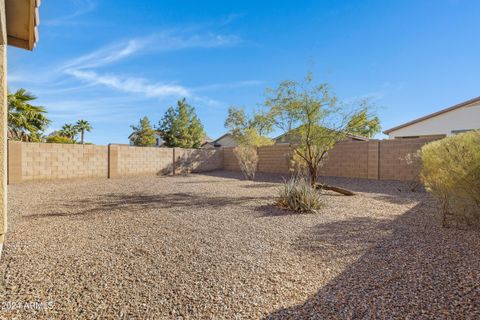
(456, 119)
(227, 140)
(18, 28)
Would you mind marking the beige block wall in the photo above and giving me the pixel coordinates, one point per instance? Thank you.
(128, 161)
(392, 164)
(274, 159)
(230, 162)
(198, 160)
(372, 159)
(45, 161)
(347, 159)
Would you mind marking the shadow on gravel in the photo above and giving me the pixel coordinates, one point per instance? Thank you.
(127, 203)
(409, 267)
(381, 187)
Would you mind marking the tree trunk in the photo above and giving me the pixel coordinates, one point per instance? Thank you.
(343, 191)
(83, 134)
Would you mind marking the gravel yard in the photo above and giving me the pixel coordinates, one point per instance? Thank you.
(213, 246)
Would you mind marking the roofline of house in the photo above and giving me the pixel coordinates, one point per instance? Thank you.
(223, 136)
(457, 106)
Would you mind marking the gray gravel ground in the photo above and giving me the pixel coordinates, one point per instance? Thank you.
(213, 246)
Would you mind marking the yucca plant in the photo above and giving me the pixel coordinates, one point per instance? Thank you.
(298, 195)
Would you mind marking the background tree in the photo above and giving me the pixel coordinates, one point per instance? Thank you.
(364, 124)
(25, 121)
(143, 134)
(68, 130)
(59, 139)
(82, 126)
(313, 120)
(250, 134)
(180, 127)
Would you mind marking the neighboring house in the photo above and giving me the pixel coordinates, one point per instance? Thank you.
(227, 140)
(459, 118)
(285, 138)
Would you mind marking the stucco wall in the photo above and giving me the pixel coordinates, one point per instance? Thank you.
(464, 118)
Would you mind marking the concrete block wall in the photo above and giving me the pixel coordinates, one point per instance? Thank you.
(347, 159)
(392, 153)
(49, 161)
(372, 159)
(230, 162)
(42, 161)
(127, 161)
(274, 159)
(197, 160)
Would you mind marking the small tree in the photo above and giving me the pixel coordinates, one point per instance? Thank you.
(249, 134)
(313, 120)
(143, 134)
(82, 126)
(180, 127)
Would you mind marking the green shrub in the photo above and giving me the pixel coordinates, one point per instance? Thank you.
(60, 139)
(451, 172)
(298, 195)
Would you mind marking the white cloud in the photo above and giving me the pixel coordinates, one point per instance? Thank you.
(106, 55)
(160, 42)
(131, 85)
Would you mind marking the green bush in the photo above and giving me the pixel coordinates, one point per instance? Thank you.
(298, 195)
(60, 139)
(451, 172)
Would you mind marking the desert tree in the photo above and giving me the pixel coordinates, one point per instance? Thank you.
(250, 133)
(314, 121)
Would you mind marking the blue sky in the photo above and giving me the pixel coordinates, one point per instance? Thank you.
(112, 62)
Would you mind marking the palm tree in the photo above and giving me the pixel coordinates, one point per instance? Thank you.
(68, 130)
(25, 122)
(82, 126)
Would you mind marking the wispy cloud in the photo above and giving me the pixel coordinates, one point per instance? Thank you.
(159, 42)
(131, 85)
(81, 7)
(84, 68)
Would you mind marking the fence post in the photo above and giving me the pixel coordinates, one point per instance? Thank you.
(112, 161)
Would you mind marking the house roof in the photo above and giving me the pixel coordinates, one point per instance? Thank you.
(22, 20)
(457, 106)
(223, 136)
